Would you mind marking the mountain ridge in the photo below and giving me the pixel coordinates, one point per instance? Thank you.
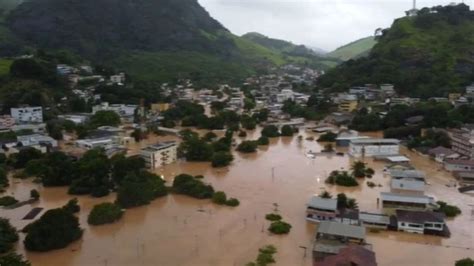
(431, 54)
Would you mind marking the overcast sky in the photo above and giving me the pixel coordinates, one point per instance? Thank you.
(326, 24)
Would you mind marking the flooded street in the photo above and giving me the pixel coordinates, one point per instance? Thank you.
(179, 230)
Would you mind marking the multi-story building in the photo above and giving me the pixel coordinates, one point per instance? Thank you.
(27, 114)
(321, 209)
(374, 147)
(120, 109)
(348, 103)
(462, 142)
(159, 154)
(6, 122)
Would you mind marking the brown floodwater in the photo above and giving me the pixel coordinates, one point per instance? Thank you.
(178, 230)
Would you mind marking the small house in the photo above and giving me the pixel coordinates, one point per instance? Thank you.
(321, 209)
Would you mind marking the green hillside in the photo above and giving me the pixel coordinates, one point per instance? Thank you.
(150, 39)
(290, 51)
(354, 49)
(427, 55)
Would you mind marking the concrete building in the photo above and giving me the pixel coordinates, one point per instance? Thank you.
(120, 109)
(459, 165)
(462, 142)
(77, 119)
(6, 122)
(374, 147)
(37, 139)
(348, 103)
(159, 154)
(420, 222)
(321, 209)
(25, 115)
(394, 201)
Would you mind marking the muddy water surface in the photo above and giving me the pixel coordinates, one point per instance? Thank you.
(177, 230)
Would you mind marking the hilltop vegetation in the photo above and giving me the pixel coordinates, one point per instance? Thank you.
(290, 51)
(424, 56)
(354, 49)
(153, 40)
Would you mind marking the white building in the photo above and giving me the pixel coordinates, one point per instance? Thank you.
(37, 139)
(160, 154)
(374, 147)
(118, 79)
(120, 109)
(420, 222)
(76, 119)
(27, 114)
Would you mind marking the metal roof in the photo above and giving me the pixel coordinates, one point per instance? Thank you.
(376, 141)
(385, 196)
(340, 229)
(374, 218)
(321, 203)
(419, 217)
(405, 184)
(396, 173)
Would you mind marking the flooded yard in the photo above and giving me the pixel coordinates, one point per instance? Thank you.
(178, 230)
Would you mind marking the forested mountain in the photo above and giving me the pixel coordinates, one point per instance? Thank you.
(354, 49)
(287, 48)
(427, 55)
(149, 39)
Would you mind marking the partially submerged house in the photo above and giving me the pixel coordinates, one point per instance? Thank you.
(332, 237)
(321, 209)
(394, 201)
(420, 222)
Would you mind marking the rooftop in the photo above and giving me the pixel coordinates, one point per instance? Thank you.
(404, 184)
(321, 203)
(375, 141)
(159, 146)
(386, 196)
(419, 217)
(460, 162)
(398, 173)
(374, 218)
(340, 229)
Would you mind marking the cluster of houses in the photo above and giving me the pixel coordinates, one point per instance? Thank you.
(405, 207)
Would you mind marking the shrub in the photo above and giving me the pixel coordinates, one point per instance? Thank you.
(265, 256)
(371, 184)
(8, 201)
(34, 194)
(270, 132)
(263, 141)
(8, 236)
(232, 202)
(105, 213)
(188, 185)
(72, 206)
(247, 147)
(242, 134)
(219, 198)
(328, 137)
(221, 159)
(279, 227)
(56, 229)
(342, 179)
(139, 189)
(287, 131)
(448, 210)
(273, 217)
(325, 195)
(465, 262)
(13, 259)
(328, 148)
